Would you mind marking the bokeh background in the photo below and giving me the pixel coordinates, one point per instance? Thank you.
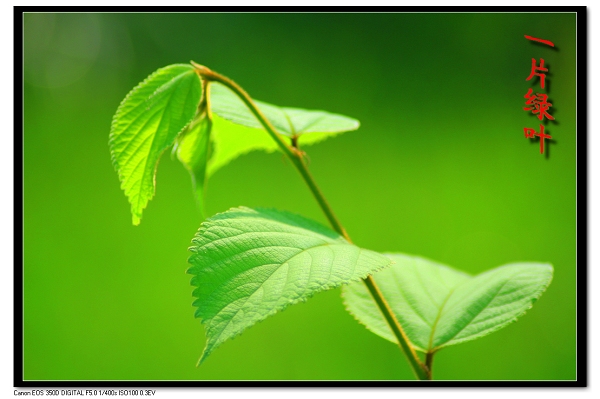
(439, 168)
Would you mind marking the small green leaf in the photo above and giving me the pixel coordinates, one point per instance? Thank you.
(146, 123)
(438, 306)
(193, 151)
(230, 141)
(236, 130)
(248, 264)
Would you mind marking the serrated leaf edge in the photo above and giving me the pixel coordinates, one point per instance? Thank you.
(206, 353)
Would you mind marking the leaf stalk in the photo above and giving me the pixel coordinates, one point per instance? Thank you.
(429, 363)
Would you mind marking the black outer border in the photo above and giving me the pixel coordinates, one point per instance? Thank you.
(582, 210)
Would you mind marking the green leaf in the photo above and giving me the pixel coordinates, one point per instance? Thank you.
(236, 130)
(248, 264)
(230, 141)
(193, 151)
(438, 306)
(146, 123)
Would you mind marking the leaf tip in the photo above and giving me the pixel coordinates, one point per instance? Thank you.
(205, 354)
(135, 219)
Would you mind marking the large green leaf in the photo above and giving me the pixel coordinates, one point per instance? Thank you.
(236, 130)
(438, 306)
(248, 264)
(147, 122)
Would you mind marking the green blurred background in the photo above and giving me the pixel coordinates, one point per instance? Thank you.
(440, 168)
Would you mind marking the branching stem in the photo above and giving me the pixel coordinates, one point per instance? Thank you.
(296, 156)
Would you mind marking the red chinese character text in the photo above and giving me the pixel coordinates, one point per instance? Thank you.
(538, 104)
(535, 39)
(531, 133)
(535, 69)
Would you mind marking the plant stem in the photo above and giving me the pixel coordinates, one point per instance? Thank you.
(296, 156)
(420, 370)
(429, 363)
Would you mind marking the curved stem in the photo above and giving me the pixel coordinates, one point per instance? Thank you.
(210, 75)
(296, 156)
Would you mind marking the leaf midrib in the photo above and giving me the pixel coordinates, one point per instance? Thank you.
(472, 318)
(145, 169)
(175, 82)
(438, 317)
(143, 101)
(127, 180)
(301, 250)
(263, 283)
(312, 123)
